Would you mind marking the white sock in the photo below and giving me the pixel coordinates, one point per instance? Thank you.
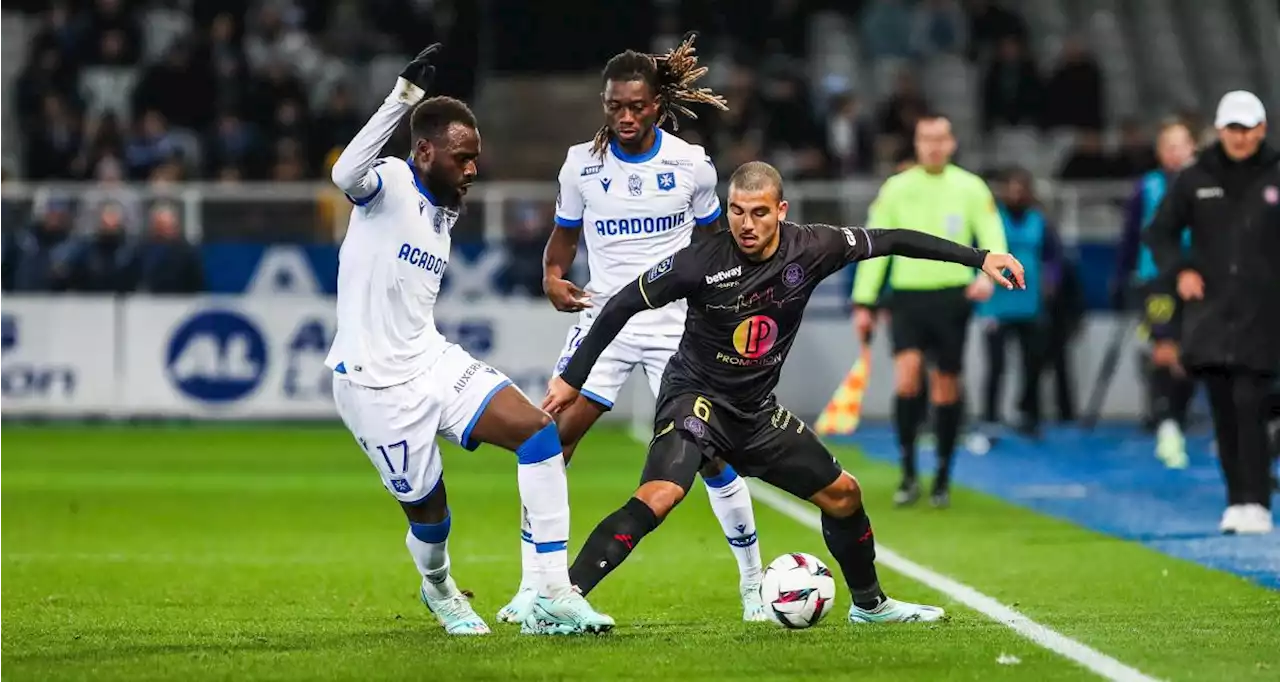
(429, 546)
(731, 502)
(544, 492)
(528, 554)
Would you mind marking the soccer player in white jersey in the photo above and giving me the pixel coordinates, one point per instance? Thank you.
(398, 383)
(638, 192)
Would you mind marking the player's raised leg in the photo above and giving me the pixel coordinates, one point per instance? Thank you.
(730, 497)
(785, 453)
(672, 463)
(572, 424)
(508, 420)
(396, 428)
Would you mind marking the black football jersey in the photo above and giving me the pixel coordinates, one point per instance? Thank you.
(744, 315)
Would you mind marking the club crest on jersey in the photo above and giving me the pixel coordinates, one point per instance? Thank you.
(792, 274)
(635, 185)
(660, 269)
(1271, 195)
(437, 221)
(591, 170)
(604, 183)
(666, 181)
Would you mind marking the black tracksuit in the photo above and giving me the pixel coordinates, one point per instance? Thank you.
(1231, 338)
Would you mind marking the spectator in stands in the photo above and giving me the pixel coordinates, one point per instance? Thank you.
(276, 39)
(103, 144)
(938, 27)
(105, 261)
(526, 235)
(60, 31)
(119, 35)
(337, 122)
(850, 139)
(177, 87)
(886, 29)
(1074, 95)
(34, 259)
(290, 161)
(274, 84)
(898, 115)
(233, 143)
(739, 134)
(1089, 160)
(1136, 151)
(1012, 92)
(990, 23)
(793, 138)
(168, 264)
(53, 142)
(47, 73)
(151, 145)
(226, 61)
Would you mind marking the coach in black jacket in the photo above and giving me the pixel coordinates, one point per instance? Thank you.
(1230, 280)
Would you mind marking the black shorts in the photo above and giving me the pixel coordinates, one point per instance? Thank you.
(770, 444)
(935, 323)
(1161, 312)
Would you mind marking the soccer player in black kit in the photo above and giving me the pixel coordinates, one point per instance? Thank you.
(747, 289)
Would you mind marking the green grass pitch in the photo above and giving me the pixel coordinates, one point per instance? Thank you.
(273, 553)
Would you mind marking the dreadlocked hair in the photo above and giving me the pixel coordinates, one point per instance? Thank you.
(671, 76)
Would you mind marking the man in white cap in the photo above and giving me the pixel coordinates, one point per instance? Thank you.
(1230, 201)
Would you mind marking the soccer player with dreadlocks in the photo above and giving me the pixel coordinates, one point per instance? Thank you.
(638, 192)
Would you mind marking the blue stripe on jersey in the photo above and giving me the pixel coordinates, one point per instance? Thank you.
(715, 215)
(565, 222)
(637, 158)
(365, 201)
(413, 170)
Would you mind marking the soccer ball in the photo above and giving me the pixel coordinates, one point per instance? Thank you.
(798, 590)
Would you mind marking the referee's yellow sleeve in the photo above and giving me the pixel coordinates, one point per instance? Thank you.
(988, 228)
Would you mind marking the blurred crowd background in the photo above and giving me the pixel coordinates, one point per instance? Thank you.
(189, 125)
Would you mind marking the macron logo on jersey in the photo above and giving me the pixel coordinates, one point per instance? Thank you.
(422, 258)
(636, 226)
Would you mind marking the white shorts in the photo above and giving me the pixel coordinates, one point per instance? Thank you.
(629, 349)
(397, 426)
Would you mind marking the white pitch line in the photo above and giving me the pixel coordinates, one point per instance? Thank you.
(1096, 661)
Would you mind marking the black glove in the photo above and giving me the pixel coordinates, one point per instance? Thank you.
(415, 79)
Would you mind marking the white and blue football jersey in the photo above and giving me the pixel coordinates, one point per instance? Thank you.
(390, 268)
(635, 211)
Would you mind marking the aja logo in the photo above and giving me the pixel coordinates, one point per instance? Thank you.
(217, 356)
(755, 336)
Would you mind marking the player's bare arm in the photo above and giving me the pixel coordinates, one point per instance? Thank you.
(564, 389)
(557, 259)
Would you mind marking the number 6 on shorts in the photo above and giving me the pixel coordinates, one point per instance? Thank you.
(702, 409)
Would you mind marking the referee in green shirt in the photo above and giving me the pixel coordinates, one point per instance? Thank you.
(930, 302)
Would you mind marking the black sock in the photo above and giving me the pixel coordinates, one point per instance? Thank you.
(947, 426)
(907, 411)
(1163, 385)
(852, 543)
(1180, 399)
(610, 543)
